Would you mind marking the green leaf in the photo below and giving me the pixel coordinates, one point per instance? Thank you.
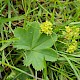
(54, 37)
(36, 32)
(1, 68)
(32, 39)
(27, 38)
(45, 41)
(50, 54)
(11, 76)
(24, 41)
(36, 59)
(36, 44)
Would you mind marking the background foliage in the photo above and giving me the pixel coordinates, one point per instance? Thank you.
(18, 18)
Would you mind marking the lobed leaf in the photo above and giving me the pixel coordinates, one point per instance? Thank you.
(38, 45)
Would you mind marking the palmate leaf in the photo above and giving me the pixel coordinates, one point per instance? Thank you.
(49, 54)
(36, 59)
(27, 37)
(45, 41)
(37, 45)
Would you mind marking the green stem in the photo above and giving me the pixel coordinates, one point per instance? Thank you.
(25, 13)
(35, 74)
(2, 35)
(19, 70)
(18, 59)
(31, 70)
(45, 71)
(72, 66)
(9, 15)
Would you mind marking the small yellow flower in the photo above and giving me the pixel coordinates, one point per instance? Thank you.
(69, 36)
(72, 47)
(77, 29)
(46, 27)
(74, 42)
(76, 32)
(68, 29)
(71, 32)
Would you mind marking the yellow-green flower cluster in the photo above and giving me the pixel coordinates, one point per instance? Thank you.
(76, 32)
(46, 27)
(72, 47)
(68, 29)
(71, 34)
